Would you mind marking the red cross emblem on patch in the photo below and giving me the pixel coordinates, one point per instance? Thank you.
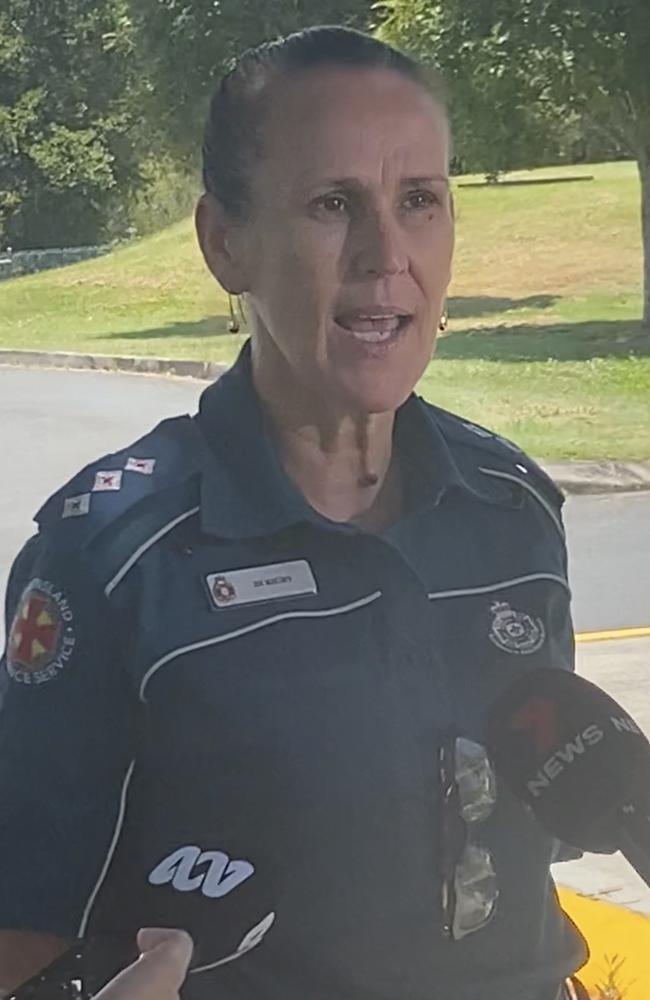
(36, 632)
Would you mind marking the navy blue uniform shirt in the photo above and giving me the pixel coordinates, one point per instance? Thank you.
(222, 711)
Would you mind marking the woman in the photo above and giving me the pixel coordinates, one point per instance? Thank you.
(251, 655)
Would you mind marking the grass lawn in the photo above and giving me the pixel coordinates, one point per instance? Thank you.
(544, 342)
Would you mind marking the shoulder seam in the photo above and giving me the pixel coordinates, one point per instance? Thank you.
(145, 546)
(131, 488)
(498, 474)
(466, 433)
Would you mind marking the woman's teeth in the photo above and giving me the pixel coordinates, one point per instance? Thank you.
(372, 329)
(372, 336)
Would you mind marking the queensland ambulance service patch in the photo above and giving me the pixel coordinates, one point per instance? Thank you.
(42, 638)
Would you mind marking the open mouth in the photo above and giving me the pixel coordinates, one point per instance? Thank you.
(371, 329)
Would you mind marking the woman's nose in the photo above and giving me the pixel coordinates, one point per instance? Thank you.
(380, 248)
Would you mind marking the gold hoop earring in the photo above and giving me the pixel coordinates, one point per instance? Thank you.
(444, 319)
(233, 325)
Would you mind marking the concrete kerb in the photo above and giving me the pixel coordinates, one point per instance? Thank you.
(572, 477)
(600, 477)
(206, 370)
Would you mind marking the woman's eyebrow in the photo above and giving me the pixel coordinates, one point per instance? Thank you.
(430, 179)
(333, 181)
(358, 183)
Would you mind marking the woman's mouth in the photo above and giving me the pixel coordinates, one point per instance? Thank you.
(371, 328)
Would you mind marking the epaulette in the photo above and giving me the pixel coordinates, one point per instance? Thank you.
(106, 490)
(489, 446)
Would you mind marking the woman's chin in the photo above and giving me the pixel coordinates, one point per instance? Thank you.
(376, 392)
(375, 377)
(376, 387)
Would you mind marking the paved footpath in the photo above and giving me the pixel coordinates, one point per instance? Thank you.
(622, 668)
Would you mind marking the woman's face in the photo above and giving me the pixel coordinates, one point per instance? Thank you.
(349, 241)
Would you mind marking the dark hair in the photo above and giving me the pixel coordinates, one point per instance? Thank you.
(232, 136)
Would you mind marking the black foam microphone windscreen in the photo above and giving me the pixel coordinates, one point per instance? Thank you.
(576, 758)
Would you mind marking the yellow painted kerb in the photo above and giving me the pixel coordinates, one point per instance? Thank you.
(619, 946)
(617, 633)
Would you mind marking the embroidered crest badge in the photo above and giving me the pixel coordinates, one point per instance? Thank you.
(515, 631)
(42, 638)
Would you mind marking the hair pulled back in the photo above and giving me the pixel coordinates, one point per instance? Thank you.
(232, 136)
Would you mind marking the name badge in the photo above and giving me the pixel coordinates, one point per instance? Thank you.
(261, 583)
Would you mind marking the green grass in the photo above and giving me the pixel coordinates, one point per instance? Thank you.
(544, 343)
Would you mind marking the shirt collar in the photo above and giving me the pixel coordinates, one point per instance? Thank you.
(245, 491)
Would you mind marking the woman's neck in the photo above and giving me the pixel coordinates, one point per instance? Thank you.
(342, 462)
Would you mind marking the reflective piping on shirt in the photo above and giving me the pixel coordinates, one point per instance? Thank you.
(500, 586)
(254, 937)
(132, 560)
(531, 489)
(111, 851)
(287, 616)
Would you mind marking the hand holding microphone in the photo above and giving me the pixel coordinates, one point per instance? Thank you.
(578, 761)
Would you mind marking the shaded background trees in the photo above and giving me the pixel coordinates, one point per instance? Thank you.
(102, 101)
(186, 44)
(67, 149)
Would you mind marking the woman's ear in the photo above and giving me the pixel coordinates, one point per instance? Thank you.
(221, 250)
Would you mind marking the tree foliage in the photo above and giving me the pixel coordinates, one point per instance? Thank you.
(65, 117)
(187, 44)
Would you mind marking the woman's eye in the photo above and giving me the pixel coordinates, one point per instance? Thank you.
(421, 199)
(334, 203)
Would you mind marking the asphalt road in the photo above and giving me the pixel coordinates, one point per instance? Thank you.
(54, 422)
(609, 560)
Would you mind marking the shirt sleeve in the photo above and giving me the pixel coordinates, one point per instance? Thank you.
(66, 740)
(570, 637)
(567, 852)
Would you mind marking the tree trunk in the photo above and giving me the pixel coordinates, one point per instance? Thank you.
(644, 174)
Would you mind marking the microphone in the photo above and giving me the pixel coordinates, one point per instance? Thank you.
(579, 762)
